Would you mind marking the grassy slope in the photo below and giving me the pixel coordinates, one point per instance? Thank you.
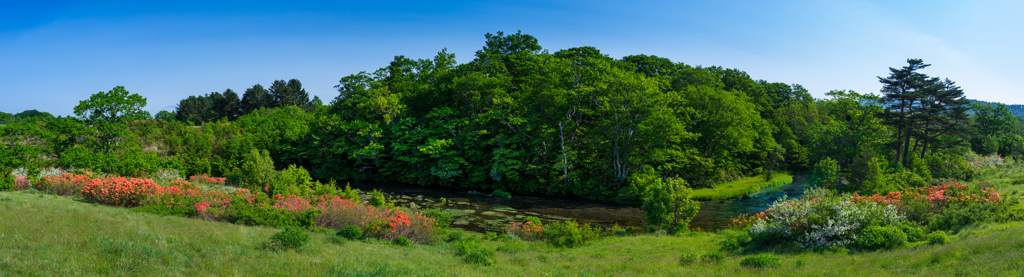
(42, 235)
(740, 187)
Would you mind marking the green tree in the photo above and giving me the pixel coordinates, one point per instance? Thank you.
(289, 93)
(667, 203)
(255, 98)
(111, 111)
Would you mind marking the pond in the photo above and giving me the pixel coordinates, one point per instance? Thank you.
(480, 212)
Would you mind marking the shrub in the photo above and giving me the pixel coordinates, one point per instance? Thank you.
(290, 238)
(63, 184)
(376, 222)
(206, 179)
(712, 258)
(7, 181)
(914, 233)
(879, 237)
(501, 193)
(688, 258)
(401, 241)
(667, 205)
(351, 232)
(761, 261)
(526, 231)
(119, 191)
(570, 234)
(733, 240)
(165, 176)
(937, 237)
(471, 251)
(442, 218)
(821, 221)
(351, 194)
(377, 199)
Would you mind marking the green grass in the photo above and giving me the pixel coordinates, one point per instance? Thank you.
(740, 187)
(43, 235)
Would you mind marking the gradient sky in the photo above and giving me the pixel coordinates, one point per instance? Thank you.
(54, 54)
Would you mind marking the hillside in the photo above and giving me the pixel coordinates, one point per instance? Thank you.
(60, 236)
(1015, 109)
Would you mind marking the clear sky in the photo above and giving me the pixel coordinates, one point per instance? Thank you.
(54, 54)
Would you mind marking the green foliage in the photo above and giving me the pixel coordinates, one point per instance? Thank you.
(879, 237)
(470, 249)
(258, 170)
(733, 239)
(442, 218)
(914, 233)
(570, 234)
(290, 238)
(402, 241)
(6, 181)
(936, 237)
(688, 258)
(349, 193)
(378, 199)
(501, 194)
(533, 219)
(761, 261)
(668, 204)
(351, 232)
(826, 174)
(713, 257)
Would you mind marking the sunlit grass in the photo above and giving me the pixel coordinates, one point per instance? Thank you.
(740, 187)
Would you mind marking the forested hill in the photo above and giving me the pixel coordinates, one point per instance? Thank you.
(523, 119)
(1015, 109)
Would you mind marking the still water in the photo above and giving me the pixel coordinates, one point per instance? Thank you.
(480, 212)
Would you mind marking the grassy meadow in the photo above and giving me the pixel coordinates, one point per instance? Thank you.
(46, 235)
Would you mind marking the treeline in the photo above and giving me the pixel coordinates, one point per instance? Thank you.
(572, 122)
(22, 117)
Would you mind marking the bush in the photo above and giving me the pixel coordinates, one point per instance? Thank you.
(351, 232)
(733, 239)
(761, 261)
(688, 258)
(119, 191)
(63, 184)
(501, 193)
(402, 241)
(914, 233)
(878, 237)
(442, 218)
(712, 258)
(667, 205)
(823, 221)
(937, 237)
(570, 234)
(471, 251)
(377, 199)
(6, 181)
(290, 238)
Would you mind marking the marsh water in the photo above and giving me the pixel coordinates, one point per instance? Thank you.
(480, 212)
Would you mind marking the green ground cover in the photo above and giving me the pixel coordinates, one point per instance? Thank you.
(747, 185)
(45, 235)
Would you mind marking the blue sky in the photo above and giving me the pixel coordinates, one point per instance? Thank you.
(54, 54)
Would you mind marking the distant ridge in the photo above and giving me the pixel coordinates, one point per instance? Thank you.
(1015, 109)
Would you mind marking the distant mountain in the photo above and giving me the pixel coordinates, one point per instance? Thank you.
(1015, 109)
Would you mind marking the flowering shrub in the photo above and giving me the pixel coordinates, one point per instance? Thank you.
(21, 183)
(919, 204)
(376, 222)
(292, 203)
(526, 231)
(823, 221)
(119, 191)
(206, 179)
(63, 184)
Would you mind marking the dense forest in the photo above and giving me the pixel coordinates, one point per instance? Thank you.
(519, 118)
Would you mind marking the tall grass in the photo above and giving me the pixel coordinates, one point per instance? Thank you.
(740, 187)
